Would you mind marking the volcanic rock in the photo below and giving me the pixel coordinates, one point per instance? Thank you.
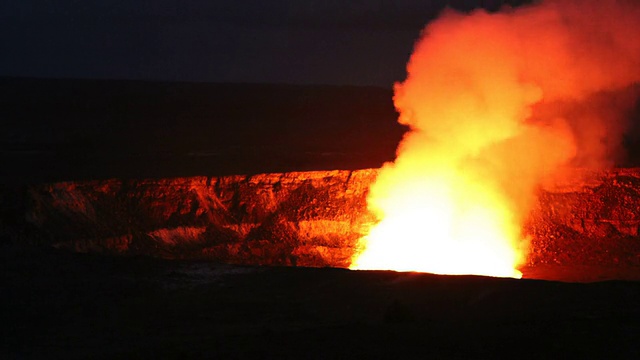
(298, 218)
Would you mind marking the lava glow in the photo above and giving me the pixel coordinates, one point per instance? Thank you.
(486, 99)
(450, 224)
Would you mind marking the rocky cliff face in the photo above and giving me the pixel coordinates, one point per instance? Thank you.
(303, 218)
(298, 218)
(591, 219)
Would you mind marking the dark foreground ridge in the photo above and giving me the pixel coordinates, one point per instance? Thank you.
(60, 304)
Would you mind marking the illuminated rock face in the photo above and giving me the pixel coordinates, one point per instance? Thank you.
(300, 218)
(592, 219)
(303, 219)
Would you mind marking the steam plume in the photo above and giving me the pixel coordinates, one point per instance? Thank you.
(523, 91)
(504, 100)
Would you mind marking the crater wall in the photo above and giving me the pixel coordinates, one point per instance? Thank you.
(297, 218)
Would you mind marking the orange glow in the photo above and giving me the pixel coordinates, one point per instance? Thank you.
(444, 224)
(485, 99)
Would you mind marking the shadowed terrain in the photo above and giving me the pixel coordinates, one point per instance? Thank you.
(78, 305)
(56, 130)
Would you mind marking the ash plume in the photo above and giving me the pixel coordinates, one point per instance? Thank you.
(523, 91)
(497, 104)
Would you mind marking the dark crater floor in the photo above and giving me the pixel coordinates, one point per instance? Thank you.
(59, 304)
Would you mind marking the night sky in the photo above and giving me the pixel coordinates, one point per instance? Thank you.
(363, 42)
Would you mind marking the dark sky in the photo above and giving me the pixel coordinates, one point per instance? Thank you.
(364, 42)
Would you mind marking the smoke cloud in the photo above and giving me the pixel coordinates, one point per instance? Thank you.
(497, 103)
(521, 92)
